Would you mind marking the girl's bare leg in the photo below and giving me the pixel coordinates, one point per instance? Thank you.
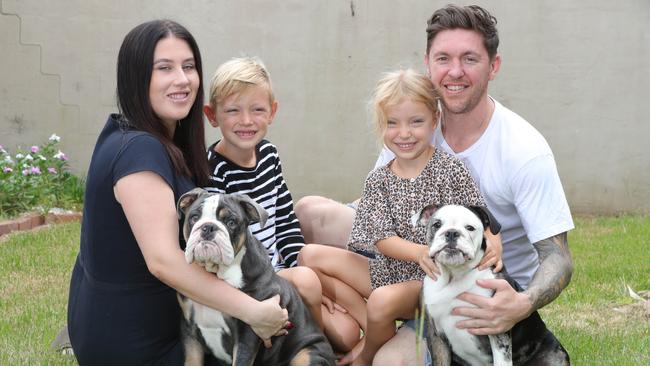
(308, 285)
(385, 305)
(344, 276)
(341, 329)
(345, 279)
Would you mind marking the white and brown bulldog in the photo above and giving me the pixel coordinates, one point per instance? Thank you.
(456, 245)
(217, 237)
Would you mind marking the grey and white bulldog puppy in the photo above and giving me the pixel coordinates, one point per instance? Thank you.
(456, 245)
(218, 238)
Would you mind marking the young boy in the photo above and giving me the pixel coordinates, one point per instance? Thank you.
(242, 105)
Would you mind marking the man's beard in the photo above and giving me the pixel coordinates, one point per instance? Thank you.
(468, 105)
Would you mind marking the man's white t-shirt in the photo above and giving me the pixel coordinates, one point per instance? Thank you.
(515, 170)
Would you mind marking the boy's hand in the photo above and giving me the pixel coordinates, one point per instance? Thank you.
(493, 253)
(426, 263)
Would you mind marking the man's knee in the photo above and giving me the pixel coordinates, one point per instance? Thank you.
(390, 356)
(401, 350)
(306, 207)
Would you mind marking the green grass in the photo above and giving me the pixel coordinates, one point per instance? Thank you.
(35, 272)
(595, 318)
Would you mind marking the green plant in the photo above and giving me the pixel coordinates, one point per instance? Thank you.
(38, 178)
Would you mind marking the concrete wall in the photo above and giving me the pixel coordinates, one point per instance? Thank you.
(578, 71)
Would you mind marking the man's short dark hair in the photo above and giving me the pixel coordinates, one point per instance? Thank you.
(471, 17)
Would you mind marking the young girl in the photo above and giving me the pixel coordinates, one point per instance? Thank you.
(387, 258)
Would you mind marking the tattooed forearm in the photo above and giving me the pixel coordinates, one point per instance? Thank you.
(554, 272)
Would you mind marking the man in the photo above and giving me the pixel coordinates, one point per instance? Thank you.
(512, 165)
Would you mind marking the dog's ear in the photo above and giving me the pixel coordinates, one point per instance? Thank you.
(421, 218)
(187, 199)
(486, 218)
(254, 212)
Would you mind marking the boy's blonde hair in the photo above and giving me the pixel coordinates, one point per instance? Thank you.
(234, 76)
(395, 87)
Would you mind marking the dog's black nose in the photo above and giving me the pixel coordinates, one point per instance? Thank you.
(451, 236)
(207, 231)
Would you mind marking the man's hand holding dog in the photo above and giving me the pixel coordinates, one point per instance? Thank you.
(497, 314)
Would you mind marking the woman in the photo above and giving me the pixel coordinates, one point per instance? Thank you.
(122, 308)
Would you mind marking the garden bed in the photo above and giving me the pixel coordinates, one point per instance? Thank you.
(34, 220)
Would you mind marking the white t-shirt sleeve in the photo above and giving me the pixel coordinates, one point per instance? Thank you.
(540, 200)
(385, 156)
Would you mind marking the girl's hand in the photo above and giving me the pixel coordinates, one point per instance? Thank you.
(269, 319)
(493, 253)
(332, 306)
(426, 263)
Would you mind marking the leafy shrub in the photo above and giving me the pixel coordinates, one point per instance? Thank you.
(37, 179)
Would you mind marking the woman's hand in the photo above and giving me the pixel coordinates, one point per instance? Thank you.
(269, 320)
(493, 253)
(426, 263)
(150, 208)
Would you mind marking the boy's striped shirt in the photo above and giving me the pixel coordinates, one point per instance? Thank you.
(265, 184)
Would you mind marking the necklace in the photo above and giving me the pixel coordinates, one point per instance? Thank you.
(466, 134)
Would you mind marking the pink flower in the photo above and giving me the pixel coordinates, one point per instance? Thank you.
(35, 149)
(35, 170)
(51, 170)
(61, 156)
(7, 169)
(26, 171)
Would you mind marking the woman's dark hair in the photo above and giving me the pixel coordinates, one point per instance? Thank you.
(186, 148)
(471, 17)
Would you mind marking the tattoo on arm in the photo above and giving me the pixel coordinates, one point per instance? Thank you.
(554, 272)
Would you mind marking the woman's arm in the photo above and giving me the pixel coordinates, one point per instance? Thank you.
(148, 203)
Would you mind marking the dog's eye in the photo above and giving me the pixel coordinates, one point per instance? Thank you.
(231, 224)
(470, 228)
(194, 219)
(437, 224)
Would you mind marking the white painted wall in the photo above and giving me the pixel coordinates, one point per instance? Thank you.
(578, 71)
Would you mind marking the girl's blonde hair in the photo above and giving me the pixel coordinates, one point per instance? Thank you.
(234, 76)
(395, 87)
